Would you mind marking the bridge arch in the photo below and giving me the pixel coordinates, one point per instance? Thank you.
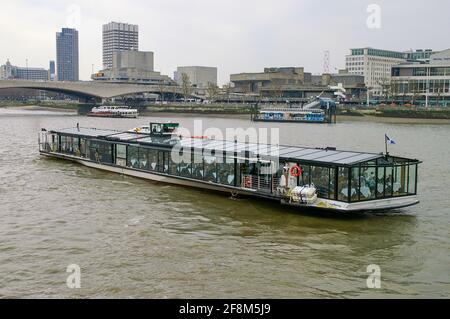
(91, 90)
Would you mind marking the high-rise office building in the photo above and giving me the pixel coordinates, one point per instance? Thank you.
(118, 37)
(52, 71)
(67, 62)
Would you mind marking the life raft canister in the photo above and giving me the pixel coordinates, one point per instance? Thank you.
(296, 171)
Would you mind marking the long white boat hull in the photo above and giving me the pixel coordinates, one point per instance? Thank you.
(320, 204)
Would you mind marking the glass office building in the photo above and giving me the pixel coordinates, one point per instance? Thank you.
(67, 56)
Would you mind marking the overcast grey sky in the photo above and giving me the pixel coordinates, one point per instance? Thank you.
(234, 35)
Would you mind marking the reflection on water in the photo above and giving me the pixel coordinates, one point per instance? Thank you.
(134, 238)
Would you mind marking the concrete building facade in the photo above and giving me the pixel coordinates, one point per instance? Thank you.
(271, 77)
(294, 83)
(118, 37)
(374, 64)
(425, 83)
(133, 59)
(67, 55)
(199, 76)
(11, 72)
(132, 67)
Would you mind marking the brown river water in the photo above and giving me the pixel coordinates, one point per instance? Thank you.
(138, 239)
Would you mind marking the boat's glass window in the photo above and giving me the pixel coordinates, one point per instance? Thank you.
(76, 146)
(161, 162)
(400, 180)
(355, 189)
(226, 172)
(121, 155)
(305, 177)
(67, 144)
(62, 144)
(412, 179)
(320, 177)
(143, 159)
(198, 171)
(389, 184)
(185, 167)
(333, 183)
(265, 177)
(83, 147)
(100, 152)
(238, 174)
(133, 157)
(380, 182)
(210, 169)
(343, 190)
(367, 183)
(153, 160)
(174, 168)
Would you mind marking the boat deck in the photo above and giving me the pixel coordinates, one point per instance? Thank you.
(298, 153)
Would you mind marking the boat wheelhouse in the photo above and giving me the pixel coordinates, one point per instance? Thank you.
(315, 178)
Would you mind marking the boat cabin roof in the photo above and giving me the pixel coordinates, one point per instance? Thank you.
(329, 156)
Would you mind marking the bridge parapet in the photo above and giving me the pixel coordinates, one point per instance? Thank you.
(90, 89)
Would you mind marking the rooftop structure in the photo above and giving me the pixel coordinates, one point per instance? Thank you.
(118, 37)
(199, 76)
(294, 83)
(132, 67)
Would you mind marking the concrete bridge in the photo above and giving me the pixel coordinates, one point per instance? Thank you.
(90, 91)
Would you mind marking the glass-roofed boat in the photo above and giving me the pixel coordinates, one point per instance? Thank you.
(313, 178)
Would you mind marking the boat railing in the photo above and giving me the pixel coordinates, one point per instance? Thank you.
(257, 182)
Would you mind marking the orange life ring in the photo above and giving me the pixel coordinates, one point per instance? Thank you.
(296, 171)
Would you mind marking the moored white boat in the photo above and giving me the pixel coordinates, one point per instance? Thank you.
(309, 178)
(114, 111)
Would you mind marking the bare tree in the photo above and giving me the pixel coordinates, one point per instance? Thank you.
(161, 88)
(227, 89)
(394, 88)
(277, 92)
(212, 90)
(440, 90)
(245, 90)
(415, 91)
(385, 88)
(186, 86)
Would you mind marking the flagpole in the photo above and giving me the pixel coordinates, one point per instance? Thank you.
(386, 144)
